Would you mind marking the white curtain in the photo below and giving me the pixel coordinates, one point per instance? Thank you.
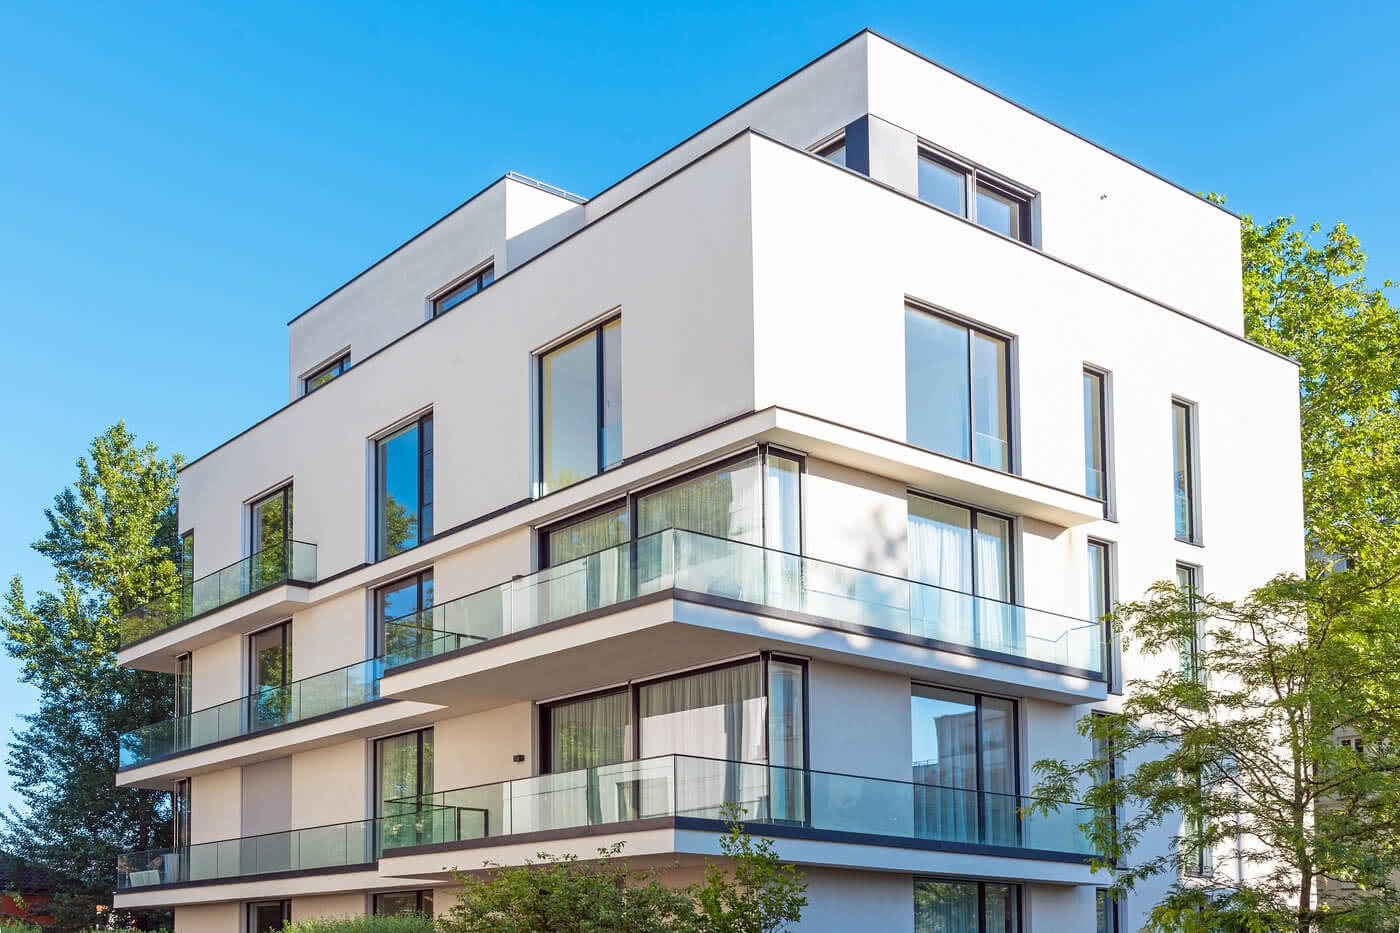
(1001, 627)
(940, 553)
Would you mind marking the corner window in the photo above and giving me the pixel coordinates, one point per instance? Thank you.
(962, 188)
(325, 374)
(1184, 471)
(580, 431)
(464, 290)
(404, 488)
(957, 389)
(1095, 436)
(966, 907)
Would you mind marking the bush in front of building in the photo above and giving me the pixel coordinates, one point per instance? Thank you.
(363, 923)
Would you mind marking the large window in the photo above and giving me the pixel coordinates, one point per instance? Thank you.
(404, 490)
(270, 526)
(957, 389)
(745, 711)
(962, 552)
(403, 767)
(325, 374)
(270, 667)
(1095, 438)
(402, 600)
(464, 290)
(404, 902)
(1184, 470)
(580, 431)
(967, 742)
(1101, 600)
(966, 907)
(961, 188)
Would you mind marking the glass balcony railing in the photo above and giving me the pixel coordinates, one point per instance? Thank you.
(356, 843)
(277, 563)
(330, 692)
(747, 574)
(684, 786)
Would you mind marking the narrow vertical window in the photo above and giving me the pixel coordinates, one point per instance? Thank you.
(782, 493)
(957, 390)
(580, 393)
(184, 684)
(1183, 470)
(1187, 579)
(187, 574)
(1105, 752)
(404, 490)
(270, 670)
(180, 810)
(1095, 446)
(1101, 602)
(403, 767)
(406, 603)
(271, 533)
(787, 751)
(1106, 910)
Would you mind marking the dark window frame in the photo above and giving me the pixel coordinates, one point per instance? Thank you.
(377, 765)
(420, 577)
(1012, 535)
(1110, 669)
(340, 365)
(1192, 469)
(254, 688)
(978, 696)
(1102, 376)
(1013, 460)
(418, 898)
(1110, 904)
(248, 907)
(827, 147)
(285, 492)
(632, 499)
(981, 883)
(478, 281)
(600, 372)
(975, 176)
(1193, 582)
(633, 688)
(379, 542)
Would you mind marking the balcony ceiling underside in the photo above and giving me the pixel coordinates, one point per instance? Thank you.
(672, 634)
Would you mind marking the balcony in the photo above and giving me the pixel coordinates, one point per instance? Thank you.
(284, 562)
(733, 574)
(302, 700)
(318, 848)
(693, 793)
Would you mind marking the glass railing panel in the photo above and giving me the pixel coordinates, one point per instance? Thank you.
(705, 788)
(151, 867)
(416, 826)
(584, 584)
(614, 793)
(277, 563)
(482, 812)
(1059, 830)
(318, 695)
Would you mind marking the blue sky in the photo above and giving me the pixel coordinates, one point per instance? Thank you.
(177, 181)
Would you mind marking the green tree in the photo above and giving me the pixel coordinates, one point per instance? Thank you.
(1306, 296)
(1239, 749)
(111, 540)
(749, 891)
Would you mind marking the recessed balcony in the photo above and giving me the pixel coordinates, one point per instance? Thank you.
(731, 574)
(284, 562)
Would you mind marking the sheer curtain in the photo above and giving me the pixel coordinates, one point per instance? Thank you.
(940, 553)
(786, 740)
(726, 505)
(593, 734)
(587, 568)
(1001, 627)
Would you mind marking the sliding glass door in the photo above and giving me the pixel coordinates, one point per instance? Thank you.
(965, 555)
(964, 749)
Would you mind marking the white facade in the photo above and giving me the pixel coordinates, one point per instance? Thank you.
(764, 295)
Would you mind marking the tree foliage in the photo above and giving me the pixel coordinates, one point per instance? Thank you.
(1306, 296)
(111, 540)
(750, 891)
(1238, 754)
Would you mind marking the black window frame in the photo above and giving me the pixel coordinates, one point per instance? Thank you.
(1013, 460)
(419, 577)
(631, 501)
(1109, 668)
(254, 688)
(1192, 470)
(377, 766)
(978, 696)
(419, 898)
(1012, 539)
(600, 374)
(981, 883)
(379, 542)
(1112, 919)
(633, 689)
(180, 813)
(338, 367)
(248, 907)
(977, 176)
(285, 492)
(478, 281)
(1111, 755)
(1193, 584)
(184, 684)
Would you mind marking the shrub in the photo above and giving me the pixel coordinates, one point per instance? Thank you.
(363, 923)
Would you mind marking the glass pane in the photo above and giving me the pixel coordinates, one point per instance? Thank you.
(590, 535)
(612, 393)
(713, 714)
(184, 684)
(936, 384)
(943, 186)
(455, 298)
(591, 732)
(397, 767)
(1093, 436)
(990, 421)
(782, 526)
(940, 544)
(786, 739)
(998, 741)
(993, 557)
(726, 504)
(836, 154)
(265, 916)
(1098, 581)
(945, 738)
(1181, 468)
(569, 409)
(320, 378)
(269, 659)
(397, 902)
(945, 907)
(998, 212)
(1001, 909)
(398, 491)
(425, 518)
(270, 521)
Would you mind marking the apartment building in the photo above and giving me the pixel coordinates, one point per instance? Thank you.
(794, 470)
